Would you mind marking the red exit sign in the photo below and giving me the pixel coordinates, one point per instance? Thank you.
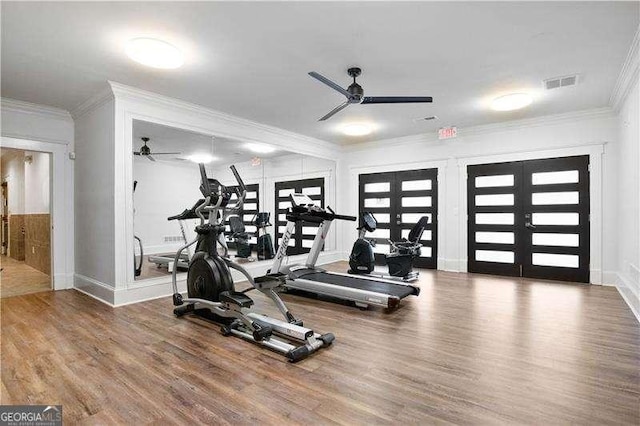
(447, 133)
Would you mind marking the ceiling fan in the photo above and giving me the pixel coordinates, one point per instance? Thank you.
(354, 94)
(145, 151)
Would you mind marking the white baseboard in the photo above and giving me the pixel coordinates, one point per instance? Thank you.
(96, 289)
(62, 281)
(629, 289)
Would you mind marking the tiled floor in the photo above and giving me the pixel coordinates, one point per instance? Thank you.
(17, 278)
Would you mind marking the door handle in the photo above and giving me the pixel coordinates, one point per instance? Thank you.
(527, 222)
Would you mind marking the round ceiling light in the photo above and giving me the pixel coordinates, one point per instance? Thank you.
(357, 129)
(155, 53)
(201, 158)
(511, 102)
(259, 148)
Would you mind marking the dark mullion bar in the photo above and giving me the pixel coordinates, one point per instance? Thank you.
(494, 228)
(490, 190)
(556, 187)
(558, 208)
(556, 249)
(495, 209)
(494, 246)
(418, 193)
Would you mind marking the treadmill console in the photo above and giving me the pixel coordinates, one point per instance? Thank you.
(301, 200)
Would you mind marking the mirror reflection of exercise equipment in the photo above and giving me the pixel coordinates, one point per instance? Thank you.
(137, 266)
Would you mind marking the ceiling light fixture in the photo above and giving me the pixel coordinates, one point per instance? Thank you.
(201, 158)
(154, 53)
(259, 148)
(357, 129)
(511, 102)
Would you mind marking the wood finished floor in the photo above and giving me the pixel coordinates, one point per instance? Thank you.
(18, 278)
(471, 349)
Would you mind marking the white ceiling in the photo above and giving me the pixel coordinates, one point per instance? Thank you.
(169, 139)
(251, 59)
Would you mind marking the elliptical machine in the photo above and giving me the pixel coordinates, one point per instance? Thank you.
(211, 292)
(399, 260)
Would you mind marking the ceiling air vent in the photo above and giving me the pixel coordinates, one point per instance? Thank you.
(557, 82)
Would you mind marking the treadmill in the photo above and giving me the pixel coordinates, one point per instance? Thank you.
(168, 259)
(361, 290)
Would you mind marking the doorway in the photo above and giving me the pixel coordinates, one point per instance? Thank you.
(26, 222)
(530, 218)
(398, 200)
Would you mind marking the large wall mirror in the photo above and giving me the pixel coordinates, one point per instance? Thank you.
(166, 181)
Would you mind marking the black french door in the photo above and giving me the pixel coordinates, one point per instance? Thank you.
(302, 239)
(530, 218)
(398, 200)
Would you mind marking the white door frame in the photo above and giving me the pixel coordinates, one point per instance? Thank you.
(61, 197)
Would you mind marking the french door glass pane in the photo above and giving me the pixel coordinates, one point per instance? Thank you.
(416, 185)
(377, 187)
(495, 218)
(549, 178)
(556, 219)
(495, 256)
(315, 190)
(416, 201)
(425, 251)
(377, 202)
(494, 200)
(495, 237)
(494, 181)
(382, 217)
(547, 198)
(563, 240)
(562, 260)
(411, 218)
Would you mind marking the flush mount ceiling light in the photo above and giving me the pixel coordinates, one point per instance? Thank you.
(259, 148)
(357, 129)
(511, 102)
(201, 158)
(154, 53)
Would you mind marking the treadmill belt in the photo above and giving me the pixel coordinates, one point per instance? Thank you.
(397, 290)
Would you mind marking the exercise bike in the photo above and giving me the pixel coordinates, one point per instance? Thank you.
(210, 288)
(401, 256)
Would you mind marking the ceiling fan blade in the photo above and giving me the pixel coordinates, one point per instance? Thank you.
(329, 83)
(167, 153)
(150, 158)
(335, 111)
(136, 153)
(395, 99)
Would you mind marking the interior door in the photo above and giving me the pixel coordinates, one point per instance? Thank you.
(398, 200)
(530, 218)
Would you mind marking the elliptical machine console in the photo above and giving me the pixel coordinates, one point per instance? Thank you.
(211, 292)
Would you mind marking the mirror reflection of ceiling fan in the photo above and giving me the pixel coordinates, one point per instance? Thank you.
(145, 151)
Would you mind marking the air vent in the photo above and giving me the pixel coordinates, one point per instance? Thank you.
(557, 82)
(429, 118)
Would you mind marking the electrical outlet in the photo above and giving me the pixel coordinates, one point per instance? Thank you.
(33, 250)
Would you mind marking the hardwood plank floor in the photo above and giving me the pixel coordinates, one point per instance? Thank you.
(470, 349)
(19, 278)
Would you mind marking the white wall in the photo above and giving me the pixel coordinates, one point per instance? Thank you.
(164, 189)
(13, 174)
(495, 143)
(37, 183)
(94, 201)
(628, 199)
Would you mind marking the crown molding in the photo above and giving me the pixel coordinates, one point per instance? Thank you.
(121, 91)
(104, 95)
(8, 104)
(628, 74)
(432, 137)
